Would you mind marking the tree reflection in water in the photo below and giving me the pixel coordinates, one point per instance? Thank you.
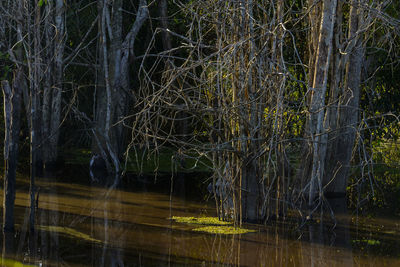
(324, 234)
(95, 225)
(109, 231)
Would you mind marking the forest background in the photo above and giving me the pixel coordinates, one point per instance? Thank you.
(285, 104)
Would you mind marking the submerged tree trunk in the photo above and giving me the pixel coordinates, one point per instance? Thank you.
(12, 111)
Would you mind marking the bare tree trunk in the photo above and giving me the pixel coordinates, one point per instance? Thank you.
(103, 96)
(113, 97)
(348, 110)
(58, 81)
(336, 84)
(12, 111)
(35, 73)
(317, 106)
(166, 37)
(314, 21)
(115, 70)
(125, 91)
(48, 81)
(250, 169)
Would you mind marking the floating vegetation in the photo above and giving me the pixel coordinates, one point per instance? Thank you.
(212, 225)
(200, 220)
(13, 263)
(223, 230)
(68, 231)
(371, 242)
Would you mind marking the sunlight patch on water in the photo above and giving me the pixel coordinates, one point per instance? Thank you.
(68, 231)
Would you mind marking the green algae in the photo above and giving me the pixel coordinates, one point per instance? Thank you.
(223, 230)
(212, 225)
(13, 263)
(200, 220)
(371, 242)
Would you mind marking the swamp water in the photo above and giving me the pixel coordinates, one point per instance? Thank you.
(88, 225)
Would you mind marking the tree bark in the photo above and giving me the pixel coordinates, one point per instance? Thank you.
(58, 82)
(114, 96)
(317, 106)
(166, 37)
(336, 180)
(314, 7)
(12, 111)
(48, 81)
(336, 87)
(250, 174)
(35, 75)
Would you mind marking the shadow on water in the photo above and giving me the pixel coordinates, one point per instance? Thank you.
(90, 224)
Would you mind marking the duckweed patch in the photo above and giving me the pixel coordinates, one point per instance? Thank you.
(370, 242)
(223, 230)
(200, 220)
(13, 263)
(212, 225)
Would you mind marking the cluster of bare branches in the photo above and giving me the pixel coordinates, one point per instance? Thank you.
(267, 95)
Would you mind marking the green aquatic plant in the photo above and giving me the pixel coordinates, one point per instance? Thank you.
(13, 263)
(223, 230)
(212, 225)
(200, 220)
(371, 242)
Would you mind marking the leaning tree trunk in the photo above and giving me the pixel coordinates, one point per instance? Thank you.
(12, 111)
(124, 92)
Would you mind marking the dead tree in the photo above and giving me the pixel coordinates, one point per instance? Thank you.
(12, 110)
(114, 92)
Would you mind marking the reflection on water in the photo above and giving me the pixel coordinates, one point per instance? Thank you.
(83, 225)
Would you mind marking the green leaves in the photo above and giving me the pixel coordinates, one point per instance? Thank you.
(41, 2)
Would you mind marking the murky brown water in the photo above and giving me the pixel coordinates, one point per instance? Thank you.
(81, 225)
